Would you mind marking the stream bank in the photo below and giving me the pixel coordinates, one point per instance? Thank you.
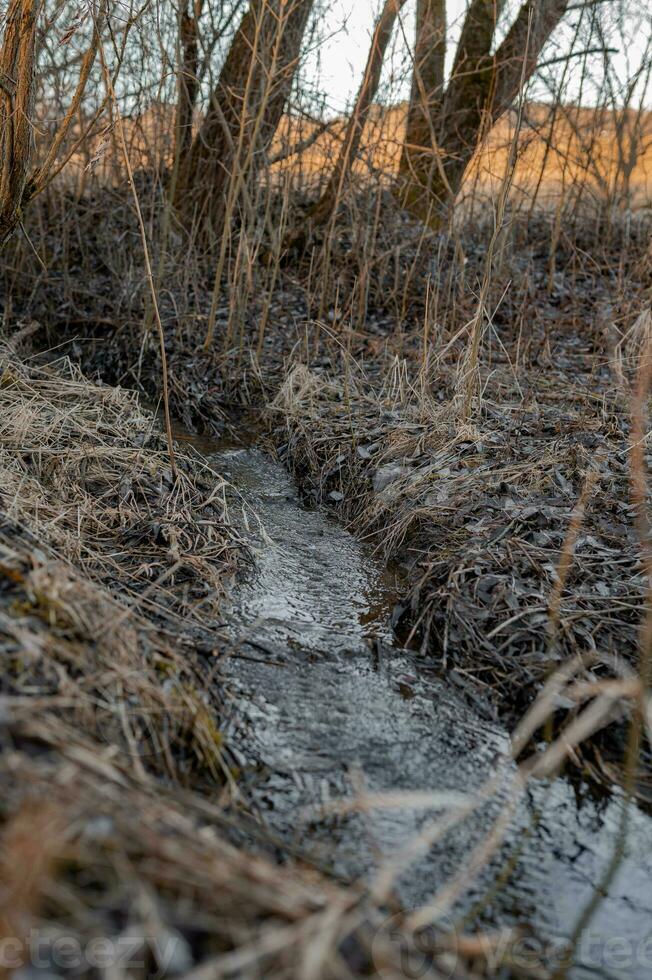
(332, 708)
(118, 740)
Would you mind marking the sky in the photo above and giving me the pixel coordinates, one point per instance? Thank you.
(347, 25)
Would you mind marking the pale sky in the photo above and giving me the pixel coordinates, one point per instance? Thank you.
(347, 25)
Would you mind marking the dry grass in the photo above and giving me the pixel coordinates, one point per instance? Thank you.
(572, 152)
(116, 846)
(120, 793)
(371, 330)
(112, 573)
(143, 842)
(509, 574)
(575, 147)
(478, 510)
(84, 468)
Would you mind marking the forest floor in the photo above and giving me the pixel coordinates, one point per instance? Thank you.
(122, 831)
(112, 573)
(365, 410)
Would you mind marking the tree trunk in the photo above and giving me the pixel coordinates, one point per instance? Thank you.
(244, 110)
(16, 109)
(418, 162)
(188, 76)
(481, 88)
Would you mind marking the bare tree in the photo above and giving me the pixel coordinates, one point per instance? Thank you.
(17, 93)
(445, 125)
(17, 86)
(244, 110)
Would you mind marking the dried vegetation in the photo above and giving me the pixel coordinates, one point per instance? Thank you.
(457, 389)
(516, 529)
(119, 845)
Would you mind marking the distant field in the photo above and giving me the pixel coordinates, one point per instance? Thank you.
(593, 149)
(608, 156)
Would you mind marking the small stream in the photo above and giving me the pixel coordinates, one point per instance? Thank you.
(330, 706)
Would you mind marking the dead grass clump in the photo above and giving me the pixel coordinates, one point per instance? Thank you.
(84, 468)
(105, 570)
(479, 516)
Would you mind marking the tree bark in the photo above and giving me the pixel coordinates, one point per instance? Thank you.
(244, 110)
(517, 56)
(418, 162)
(482, 86)
(17, 87)
(188, 76)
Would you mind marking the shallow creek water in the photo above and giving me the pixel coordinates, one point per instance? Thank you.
(330, 706)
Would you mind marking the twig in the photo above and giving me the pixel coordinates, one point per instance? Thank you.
(148, 265)
(32, 246)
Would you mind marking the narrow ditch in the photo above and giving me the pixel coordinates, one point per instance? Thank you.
(331, 706)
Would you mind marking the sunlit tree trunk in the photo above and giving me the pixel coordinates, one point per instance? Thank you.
(482, 86)
(418, 164)
(16, 110)
(244, 109)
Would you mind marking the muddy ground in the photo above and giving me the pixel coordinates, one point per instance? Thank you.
(474, 515)
(365, 412)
